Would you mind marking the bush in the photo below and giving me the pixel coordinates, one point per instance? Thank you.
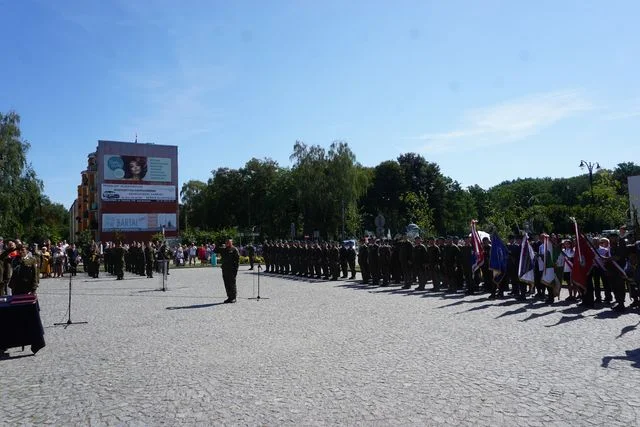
(245, 260)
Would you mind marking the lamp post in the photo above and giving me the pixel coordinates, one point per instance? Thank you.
(590, 166)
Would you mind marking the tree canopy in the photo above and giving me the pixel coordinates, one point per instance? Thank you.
(25, 212)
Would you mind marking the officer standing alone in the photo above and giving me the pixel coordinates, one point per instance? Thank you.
(230, 263)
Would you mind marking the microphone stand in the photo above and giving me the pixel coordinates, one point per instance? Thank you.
(258, 298)
(69, 322)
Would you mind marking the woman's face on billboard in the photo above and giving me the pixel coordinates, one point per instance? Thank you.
(135, 168)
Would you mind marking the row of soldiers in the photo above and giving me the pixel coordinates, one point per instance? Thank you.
(445, 261)
(310, 259)
(137, 258)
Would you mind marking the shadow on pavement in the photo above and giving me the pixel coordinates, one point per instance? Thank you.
(632, 356)
(7, 356)
(512, 312)
(566, 319)
(536, 315)
(628, 329)
(194, 306)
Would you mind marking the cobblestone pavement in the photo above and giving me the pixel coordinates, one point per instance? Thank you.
(322, 353)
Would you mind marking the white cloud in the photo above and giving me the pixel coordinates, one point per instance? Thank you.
(509, 121)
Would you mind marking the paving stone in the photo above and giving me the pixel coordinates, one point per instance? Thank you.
(322, 353)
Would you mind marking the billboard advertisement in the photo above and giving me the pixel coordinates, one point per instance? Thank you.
(634, 194)
(139, 222)
(137, 168)
(138, 193)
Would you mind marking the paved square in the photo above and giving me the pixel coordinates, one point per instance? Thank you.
(317, 353)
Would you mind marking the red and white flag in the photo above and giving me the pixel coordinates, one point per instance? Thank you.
(583, 259)
(476, 245)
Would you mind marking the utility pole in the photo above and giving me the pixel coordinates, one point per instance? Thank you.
(590, 166)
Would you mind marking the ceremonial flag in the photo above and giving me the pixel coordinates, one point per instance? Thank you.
(526, 264)
(603, 261)
(499, 258)
(550, 257)
(582, 259)
(476, 245)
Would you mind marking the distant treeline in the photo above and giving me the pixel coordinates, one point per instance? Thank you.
(327, 189)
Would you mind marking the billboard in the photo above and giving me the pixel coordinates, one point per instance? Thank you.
(138, 193)
(634, 194)
(139, 222)
(137, 168)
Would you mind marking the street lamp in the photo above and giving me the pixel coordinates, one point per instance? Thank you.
(590, 166)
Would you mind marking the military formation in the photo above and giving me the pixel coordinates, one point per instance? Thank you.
(326, 260)
(443, 261)
(447, 264)
(136, 258)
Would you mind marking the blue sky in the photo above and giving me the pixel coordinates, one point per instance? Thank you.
(489, 90)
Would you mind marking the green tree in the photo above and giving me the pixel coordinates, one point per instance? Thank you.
(21, 200)
(189, 194)
(621, 174)
(418, 211)
(385, 196)
(424, 178)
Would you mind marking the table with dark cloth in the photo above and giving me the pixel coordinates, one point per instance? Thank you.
(21, 324)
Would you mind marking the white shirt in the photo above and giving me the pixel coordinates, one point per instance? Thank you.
(568, 253)
(604, 251)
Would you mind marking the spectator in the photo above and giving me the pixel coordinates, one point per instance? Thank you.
(193, 252)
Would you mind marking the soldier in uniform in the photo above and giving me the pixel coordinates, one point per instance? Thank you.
(385, 262)
(266, 255)
(419, 255)
(450, 261)
(363, 261)
(307, 269)
(618, 254)
(465, 267)
(343, 259)
(150, 257)
(405, 255)
(251, 253)
(326, 274)
(351, 260)
(117, 259)
(632, 270)
(276, 257)
(334, 261)
(518, 288)
(6, 266)
(107, 258)
(290, 263)
(163, 257)
(487, 274)
(142, 263)
(433, 261)
(294, 250)
(374, 262)
(230, 263)
(94, 261)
